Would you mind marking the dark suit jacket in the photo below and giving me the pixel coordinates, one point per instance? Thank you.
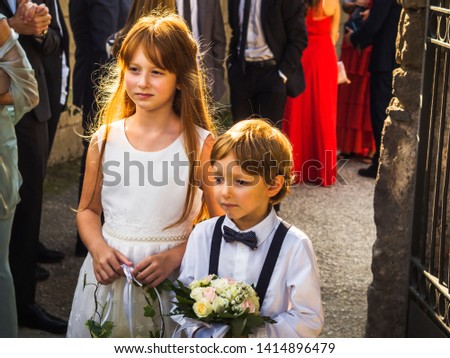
(36, 50)
(380, 30)
(213, 43)
(92, 21)
(53, 66)
(284, 28)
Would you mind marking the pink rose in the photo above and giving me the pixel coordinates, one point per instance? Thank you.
(248, 304)
(209, 293)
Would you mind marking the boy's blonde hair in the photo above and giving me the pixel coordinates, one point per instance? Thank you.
(260, 149)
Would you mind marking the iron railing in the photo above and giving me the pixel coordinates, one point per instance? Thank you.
(430, 274)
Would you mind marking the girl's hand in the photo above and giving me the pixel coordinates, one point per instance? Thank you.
(107, 261)
(153, 269)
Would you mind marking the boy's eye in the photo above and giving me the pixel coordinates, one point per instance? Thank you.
(241, 182)
(157, 72)
(218, 180)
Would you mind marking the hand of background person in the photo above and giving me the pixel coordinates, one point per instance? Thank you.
(362, 3)
(5, 31)
(30, 18)
(365, 14)
(347, 34)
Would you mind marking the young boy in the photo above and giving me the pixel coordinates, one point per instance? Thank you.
(252, 171)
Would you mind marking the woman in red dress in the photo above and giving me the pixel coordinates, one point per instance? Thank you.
(311, 117)
(354, 129)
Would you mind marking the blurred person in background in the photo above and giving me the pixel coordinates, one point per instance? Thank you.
(92, 21)
(40, 37)
(18, 88)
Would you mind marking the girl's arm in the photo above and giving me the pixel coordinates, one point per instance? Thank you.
(333, 8)
(106, 259)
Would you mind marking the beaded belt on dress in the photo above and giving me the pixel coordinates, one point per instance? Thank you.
(116, 235)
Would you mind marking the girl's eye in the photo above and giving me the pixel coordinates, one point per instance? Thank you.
(133, 69)
(218, 180)
(157, 72)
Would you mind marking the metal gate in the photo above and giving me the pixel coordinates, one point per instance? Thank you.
(429, 298)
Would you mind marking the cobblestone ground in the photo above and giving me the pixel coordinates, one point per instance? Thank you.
(339, 221)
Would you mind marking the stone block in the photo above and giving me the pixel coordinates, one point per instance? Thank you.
(407, 85)
(67, 144)
(410, 40)
(413, 4)
(397, 111)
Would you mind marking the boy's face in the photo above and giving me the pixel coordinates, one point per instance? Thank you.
(244, 197)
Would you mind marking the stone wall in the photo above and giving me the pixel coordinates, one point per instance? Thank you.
(67, 143)
(393, 202)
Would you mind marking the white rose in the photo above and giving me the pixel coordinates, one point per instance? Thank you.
(197, 293)
(220, 304)
(194, 284)
(220, 284)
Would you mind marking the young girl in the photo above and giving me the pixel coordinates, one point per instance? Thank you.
(144, 173)
(253, 171)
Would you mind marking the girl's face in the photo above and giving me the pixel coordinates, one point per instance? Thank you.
(244, 197)
(149, 87)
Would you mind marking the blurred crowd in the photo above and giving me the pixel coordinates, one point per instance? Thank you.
(281, 64)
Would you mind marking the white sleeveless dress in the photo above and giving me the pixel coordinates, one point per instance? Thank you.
(142, 194)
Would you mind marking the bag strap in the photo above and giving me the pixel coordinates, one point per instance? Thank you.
(215, 247)
(271, 260)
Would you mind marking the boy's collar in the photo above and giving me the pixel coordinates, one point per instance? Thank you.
(262, 229)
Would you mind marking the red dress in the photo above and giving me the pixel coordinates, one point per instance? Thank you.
(311, 117)
(354, 128)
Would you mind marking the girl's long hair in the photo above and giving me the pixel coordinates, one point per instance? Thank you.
(168, 43)
(140, 8)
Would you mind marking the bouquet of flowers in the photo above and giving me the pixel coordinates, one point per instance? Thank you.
(220, 300)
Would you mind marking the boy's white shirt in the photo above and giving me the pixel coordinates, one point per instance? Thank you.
(293, 296)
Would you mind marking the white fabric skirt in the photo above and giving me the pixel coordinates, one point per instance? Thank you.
(121, 303)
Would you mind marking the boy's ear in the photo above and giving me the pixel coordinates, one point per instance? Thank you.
(276, 186)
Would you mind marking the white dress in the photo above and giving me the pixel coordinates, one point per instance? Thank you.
(142, 194)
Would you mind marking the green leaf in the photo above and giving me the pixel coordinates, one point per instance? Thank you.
(156, 334)
(151, 292)
(149, 311)
(237, 326)
(100, 331)
(184, 300)
(166, 285)
(183, 288)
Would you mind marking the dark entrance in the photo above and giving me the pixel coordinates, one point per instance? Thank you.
(429, 298)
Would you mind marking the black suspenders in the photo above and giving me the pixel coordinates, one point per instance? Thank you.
(269, 263)
(215, 247)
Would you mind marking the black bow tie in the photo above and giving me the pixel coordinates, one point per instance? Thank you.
(247, 238)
